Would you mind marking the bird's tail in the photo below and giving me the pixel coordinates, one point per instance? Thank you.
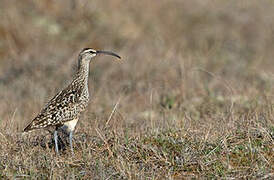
(28, 128)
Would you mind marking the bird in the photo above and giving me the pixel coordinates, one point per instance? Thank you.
(64, 109)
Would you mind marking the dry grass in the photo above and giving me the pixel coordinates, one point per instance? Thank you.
(194, 91)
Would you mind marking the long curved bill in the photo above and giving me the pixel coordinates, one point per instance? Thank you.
(108, 53)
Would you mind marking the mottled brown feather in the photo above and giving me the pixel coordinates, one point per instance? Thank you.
(67, 104)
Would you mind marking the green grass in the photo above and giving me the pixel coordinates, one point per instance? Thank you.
(173, 154)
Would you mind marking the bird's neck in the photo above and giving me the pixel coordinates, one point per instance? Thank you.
(82, 72)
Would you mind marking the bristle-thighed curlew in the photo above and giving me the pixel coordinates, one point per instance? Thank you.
(64, 109)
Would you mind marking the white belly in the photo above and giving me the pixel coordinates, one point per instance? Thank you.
(70, 125)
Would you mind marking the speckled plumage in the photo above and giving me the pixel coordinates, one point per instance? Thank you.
(67, 104)
(64, 109)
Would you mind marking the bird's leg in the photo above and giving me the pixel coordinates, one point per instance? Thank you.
(70, 141)
(56, 141)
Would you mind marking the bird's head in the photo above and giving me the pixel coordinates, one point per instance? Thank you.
(87, 54)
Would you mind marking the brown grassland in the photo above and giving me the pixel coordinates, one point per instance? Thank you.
(193, 96)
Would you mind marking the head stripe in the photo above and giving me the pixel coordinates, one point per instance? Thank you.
(85, 50)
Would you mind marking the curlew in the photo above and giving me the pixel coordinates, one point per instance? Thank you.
(64, 109)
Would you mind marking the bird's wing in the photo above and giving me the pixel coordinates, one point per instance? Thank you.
(61, 108)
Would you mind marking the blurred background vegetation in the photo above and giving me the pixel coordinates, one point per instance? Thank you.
(177, 56)
(201, 66)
